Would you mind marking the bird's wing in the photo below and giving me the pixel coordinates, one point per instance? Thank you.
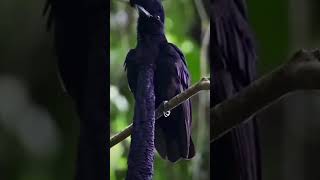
(173, 134)
(131, 67)
(180, 54)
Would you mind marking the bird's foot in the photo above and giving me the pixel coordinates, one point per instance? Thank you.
(166, 113)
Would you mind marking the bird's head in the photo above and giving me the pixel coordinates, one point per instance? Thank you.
(151, 15)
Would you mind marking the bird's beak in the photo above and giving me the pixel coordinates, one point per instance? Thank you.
(138, 7)
(143, 10)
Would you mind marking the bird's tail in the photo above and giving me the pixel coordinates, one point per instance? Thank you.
(173, 137)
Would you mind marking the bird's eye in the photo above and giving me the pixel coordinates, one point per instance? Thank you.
(158, 17)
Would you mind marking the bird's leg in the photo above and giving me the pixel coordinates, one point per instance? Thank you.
(165, 113)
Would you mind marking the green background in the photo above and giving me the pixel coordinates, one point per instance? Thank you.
(183, 28)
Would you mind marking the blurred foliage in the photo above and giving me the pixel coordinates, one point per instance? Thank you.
(269, 21)
(183, 29)
(38, 125)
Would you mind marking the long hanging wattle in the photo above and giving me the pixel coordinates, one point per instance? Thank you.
(141, 155)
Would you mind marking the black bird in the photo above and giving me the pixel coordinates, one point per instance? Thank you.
(235, 156)
(80, 38)
(172, 133)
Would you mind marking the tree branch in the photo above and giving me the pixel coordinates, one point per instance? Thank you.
(301, 72)
(203, 84)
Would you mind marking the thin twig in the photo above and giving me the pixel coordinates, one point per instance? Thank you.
(302, 72)
(203, 84)
(202, 14)
(204, 51)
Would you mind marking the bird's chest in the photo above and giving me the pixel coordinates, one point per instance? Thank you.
(147, 52)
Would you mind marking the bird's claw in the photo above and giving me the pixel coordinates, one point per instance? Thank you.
(166, 114)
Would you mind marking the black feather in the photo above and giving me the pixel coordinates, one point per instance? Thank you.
(235, 156)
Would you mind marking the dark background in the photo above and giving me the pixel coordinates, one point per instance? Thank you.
(38, 125)
(290, 128)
